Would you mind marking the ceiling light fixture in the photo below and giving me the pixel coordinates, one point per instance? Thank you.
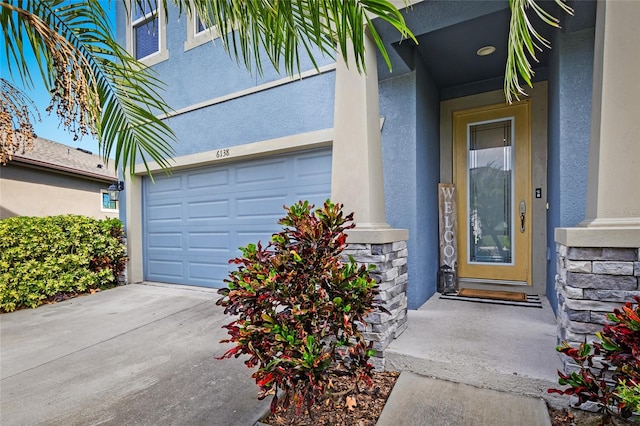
(486, 50)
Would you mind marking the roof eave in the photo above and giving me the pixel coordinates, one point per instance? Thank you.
(63, 169)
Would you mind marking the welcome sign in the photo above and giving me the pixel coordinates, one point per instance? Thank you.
(448, 224)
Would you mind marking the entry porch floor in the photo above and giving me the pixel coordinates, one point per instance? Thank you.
(505, 348)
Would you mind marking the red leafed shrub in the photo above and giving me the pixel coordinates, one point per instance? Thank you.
(300, 308)
(614, 386)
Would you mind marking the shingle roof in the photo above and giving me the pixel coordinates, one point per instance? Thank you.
(54, 155)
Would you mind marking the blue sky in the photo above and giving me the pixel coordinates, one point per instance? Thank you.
(49, 127)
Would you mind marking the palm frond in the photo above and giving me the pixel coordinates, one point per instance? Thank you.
(524, 42)
(252, 30)
(96, 86)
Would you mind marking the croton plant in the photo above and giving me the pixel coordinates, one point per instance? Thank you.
(299, 308)
(609, 370)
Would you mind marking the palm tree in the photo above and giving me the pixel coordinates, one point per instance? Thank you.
(98, 88)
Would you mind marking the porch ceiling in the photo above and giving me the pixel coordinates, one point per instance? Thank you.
(450, 33)
(450, 52)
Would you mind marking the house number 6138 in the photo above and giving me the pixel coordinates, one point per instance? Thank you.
(222, 153)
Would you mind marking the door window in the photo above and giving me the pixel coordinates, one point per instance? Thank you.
(490, 174)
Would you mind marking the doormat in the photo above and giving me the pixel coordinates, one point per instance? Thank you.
(530, 301)
(493, 294)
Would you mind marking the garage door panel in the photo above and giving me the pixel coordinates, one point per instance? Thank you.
(206, 272)
(165, 213)
(166, 184)
(207, 179)
(197, 220)
(261, 173)
(252, 235)
(260, 208)
(209, 210)
(165, 240)
(316, 168)
(246, 238)
(165, 269)
(208, 241)
(316, 193)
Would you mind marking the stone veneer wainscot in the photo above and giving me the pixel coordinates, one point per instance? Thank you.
(591, 282)
(391, 275)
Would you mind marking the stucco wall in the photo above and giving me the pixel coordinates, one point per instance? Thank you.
(206, 73)
(398, 107)
(27, 191)
(285, 110)
(570, 90)
(427, 178)
(410, 149)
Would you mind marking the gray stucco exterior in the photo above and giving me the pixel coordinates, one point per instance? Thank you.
(290, 109)
(570, 89)
(410, 107)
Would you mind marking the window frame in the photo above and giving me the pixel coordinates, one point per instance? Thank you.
(156, 15)
(104, 192)
(197, 38)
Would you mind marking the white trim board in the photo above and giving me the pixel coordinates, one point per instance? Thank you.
(309, 140)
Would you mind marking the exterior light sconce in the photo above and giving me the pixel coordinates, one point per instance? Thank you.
(114, 190)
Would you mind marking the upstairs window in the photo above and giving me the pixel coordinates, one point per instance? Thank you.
(146, 38)
(199, 27)
(197, 33)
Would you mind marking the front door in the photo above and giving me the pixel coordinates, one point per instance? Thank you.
(492, 172)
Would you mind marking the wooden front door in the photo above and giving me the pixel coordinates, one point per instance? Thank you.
(492, 171)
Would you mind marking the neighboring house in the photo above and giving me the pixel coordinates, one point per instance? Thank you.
(53, 179)
(548, 188)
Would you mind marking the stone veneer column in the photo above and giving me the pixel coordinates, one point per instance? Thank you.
(390, 260)
(357, 182)
(592, 282)
(599, 261)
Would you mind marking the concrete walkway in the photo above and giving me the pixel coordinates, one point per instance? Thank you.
(137, 354)
(504, 348)
(144, 355)
(418, 400)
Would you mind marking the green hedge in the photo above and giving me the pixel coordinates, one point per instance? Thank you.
(41, 257)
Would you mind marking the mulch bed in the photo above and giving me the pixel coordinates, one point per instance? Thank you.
(370, 402)
(351, 409)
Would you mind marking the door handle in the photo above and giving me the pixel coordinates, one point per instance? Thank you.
(523, 211)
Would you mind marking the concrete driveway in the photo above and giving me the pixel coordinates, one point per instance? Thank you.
(137, 354)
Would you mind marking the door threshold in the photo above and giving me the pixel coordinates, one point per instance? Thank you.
(496, 282)
(533, 301)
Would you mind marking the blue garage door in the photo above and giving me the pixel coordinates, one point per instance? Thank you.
(195, 220)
